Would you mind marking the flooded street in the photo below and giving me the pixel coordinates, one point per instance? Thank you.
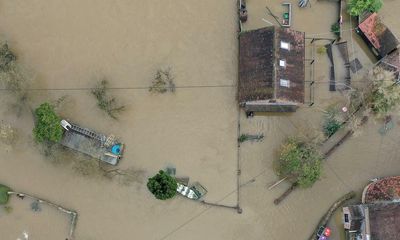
(66, 46)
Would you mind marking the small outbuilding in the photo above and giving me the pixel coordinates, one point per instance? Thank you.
(373, 221)
(391, 62)
(271, 70)
(377, 35)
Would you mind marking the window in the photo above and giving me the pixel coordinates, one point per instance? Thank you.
(285, 45)
(285, 83)
(282, 63)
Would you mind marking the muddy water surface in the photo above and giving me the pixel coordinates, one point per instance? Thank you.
(72, 44)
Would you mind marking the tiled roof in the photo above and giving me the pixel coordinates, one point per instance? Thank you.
(385, 189)
(259, 68)
(378, 34)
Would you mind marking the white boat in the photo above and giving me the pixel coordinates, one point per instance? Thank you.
(186, 191)
(195, 192)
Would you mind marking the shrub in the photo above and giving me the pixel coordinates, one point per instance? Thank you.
(105, 102)
(335, 28)
(4, 194)
(300, 162)
(8, 134)
(8, 209)
(162, 185)
(357, 7)
(48, 127)
(163, 81)
(331, 125)
(321, 50)
(331, 121)
(6, 57)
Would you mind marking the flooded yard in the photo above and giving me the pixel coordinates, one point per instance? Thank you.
(67, 46)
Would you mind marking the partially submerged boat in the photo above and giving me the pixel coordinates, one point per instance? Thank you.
(97, 145)
(194, 192)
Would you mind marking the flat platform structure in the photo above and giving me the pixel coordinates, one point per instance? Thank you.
(93, 144)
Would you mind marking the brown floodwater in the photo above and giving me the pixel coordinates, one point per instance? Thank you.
(67, 45)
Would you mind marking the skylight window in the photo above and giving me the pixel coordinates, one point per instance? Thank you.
(285, 45)
(284, 83)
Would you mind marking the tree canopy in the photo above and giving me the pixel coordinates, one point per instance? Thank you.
(357, 7)
(4, 194)
(385, 93)
(48, 127)
(162, 185)
(300, 162)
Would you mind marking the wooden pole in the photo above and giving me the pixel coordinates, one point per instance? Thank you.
(277, 183)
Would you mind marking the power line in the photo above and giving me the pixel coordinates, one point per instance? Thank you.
(116, 88)
(177, 87)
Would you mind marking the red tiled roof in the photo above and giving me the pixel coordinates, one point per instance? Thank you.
(368, 28)
(385, 189)
(378, 34)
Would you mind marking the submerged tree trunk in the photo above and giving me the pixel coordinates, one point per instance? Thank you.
(285, 194)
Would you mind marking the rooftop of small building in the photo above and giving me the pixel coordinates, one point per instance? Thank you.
(378, 220)
(385, 189)
(378, 34)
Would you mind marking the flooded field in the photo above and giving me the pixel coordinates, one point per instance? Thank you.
(67, 46)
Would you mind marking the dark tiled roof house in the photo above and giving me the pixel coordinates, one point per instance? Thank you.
(271, 69)
(373, 221)
(377, 35)
(379, 215)
(391, 62)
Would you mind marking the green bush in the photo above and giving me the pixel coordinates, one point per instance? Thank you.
(4, 194)
(357, 7)
(300, 162)
(48, 127)
(6, 57)
(385, 93)
(162, 185)
(331, 125)
(335, 28)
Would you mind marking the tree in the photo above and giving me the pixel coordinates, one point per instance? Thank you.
(14, 78)
(385, 93)
(300, 162)
(357, 7)
(48, 127)
(4, 194)
(162, 185)
(104, 101)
